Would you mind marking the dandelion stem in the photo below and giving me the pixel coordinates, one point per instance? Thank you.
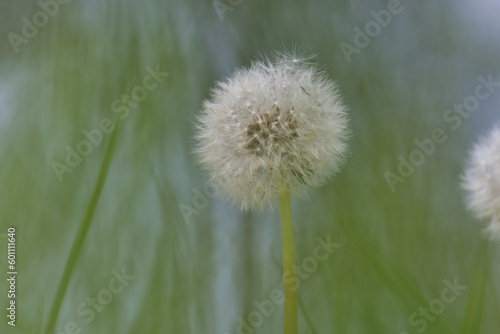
(289, 279)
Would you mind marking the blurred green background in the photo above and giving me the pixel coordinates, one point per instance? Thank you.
(397, 248)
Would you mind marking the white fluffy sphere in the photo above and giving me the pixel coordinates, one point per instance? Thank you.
(482, 181)
(279, 123)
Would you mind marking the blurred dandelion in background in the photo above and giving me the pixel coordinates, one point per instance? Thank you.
(482, 182)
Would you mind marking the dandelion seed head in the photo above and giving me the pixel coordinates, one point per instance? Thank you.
(279, 123)
(482, 182)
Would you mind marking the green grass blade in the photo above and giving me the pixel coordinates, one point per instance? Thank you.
(84, 227)
(475, 300)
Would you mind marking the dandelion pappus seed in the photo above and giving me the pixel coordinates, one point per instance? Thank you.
(482, 182)
(283, 133)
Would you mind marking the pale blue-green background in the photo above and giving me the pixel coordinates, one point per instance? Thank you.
(396, 248)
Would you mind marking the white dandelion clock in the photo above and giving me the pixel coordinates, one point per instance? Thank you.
(268, 132)
(278, 123)
(482, 182)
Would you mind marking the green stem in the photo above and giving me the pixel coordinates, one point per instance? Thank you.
(83, 228)
(477, 292)
(289, 279)
(81, 234)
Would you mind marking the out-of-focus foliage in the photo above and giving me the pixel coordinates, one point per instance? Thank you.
(396, 248)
